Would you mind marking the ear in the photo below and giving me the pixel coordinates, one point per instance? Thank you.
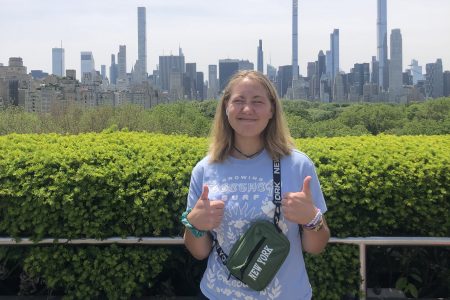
(225, 107)
(272, 110)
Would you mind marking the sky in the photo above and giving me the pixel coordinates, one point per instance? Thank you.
(211, 30)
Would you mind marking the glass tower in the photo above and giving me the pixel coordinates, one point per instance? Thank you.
(87, 63)
(58, 67)
(334, 47)
(142, 40)
(122, 62)
(260, 63)
(295, 69)
(382, 44)
(396, 65)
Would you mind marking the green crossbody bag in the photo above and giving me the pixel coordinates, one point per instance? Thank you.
(259, 253)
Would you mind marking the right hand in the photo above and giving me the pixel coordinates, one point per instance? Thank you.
(206, 214)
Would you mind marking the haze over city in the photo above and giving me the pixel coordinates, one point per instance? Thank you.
(211, 30)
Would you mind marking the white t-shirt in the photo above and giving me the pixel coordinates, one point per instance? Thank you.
(246, 187)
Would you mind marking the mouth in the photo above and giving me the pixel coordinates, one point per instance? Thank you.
(246, 119)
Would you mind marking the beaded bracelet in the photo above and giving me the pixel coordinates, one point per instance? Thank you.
(195, 232)
(316, 223)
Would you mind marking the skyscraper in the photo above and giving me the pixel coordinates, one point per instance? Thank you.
(435, 79)
(339, 89)
(190, 81)
(213, 82)
(227, 68)
(318, 69)
(113, 70)
(446, 83)
(122, 62)
(321, 60)
(360, 75)
(310, 70)
(246, 65)
(103, 71)
(295, 69)
(395, 66)
(87, 63)
(416, 71)
(271, 72)
(382, 44)
(328, 63)
(374, 76)
(260, 63)
(142, 42)
(284, 79)
(172, 66)
(200, 80)
(334, 48)
(58, 67)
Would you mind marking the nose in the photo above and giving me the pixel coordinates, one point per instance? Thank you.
(247, 107)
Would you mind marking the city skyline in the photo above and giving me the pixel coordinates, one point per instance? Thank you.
(210, 32)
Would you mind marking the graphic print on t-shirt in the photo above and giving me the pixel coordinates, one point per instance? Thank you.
(247, 198)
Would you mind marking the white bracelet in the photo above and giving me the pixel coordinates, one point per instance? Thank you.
(315, 221)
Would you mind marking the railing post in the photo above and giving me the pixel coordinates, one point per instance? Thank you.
(362, 269)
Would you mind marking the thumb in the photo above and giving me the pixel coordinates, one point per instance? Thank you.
(205, 192)
(306, 185)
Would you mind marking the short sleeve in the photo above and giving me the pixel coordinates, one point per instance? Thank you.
(316, 190)
(195, 186)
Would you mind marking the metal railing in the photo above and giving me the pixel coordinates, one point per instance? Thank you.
(361, 242)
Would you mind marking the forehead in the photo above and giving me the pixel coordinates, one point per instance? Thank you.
(249, 85)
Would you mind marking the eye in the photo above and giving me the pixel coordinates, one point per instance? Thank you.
(258, 101)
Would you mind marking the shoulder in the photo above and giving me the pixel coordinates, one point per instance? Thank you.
(200, 165)
(298, 157)
(204, 164)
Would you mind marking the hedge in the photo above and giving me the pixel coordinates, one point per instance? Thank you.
(135, 184)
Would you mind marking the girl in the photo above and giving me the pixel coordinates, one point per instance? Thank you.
(233, 186)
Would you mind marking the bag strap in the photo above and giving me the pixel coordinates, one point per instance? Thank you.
(277, 192)
(276, 217)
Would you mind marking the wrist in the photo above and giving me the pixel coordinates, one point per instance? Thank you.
(184, 219)
(316, 223)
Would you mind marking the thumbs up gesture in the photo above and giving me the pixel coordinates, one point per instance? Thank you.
(207, 214)
(298, 207)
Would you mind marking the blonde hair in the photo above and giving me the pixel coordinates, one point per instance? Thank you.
(276, 137)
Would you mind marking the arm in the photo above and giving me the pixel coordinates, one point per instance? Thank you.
(198, 247)
(299, 208)
(205, 216)
(314, 242)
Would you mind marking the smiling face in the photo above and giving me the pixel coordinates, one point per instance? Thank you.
(249, 109)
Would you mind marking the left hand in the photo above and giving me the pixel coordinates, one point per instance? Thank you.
(298, 207)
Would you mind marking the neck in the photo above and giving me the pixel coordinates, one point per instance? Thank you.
(248, 148)
(247, 156)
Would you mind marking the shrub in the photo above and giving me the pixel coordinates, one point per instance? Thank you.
(135, 184)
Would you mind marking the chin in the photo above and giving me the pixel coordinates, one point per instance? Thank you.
(249, 133)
